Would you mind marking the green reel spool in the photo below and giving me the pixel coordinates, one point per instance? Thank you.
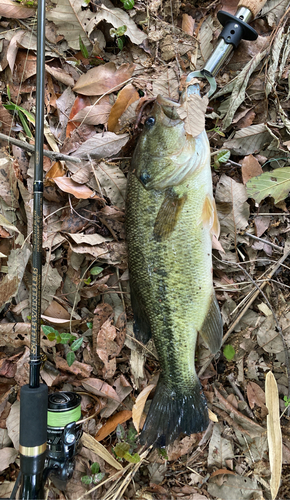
(63, 408)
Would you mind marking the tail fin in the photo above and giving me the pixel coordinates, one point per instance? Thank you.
(174, 411)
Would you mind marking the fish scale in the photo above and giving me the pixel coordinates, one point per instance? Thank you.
(170, 270)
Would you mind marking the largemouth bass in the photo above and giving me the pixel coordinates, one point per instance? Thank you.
(171, 217)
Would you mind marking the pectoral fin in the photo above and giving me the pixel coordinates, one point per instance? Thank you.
(210, 216)
(168, 214)
(212, 328)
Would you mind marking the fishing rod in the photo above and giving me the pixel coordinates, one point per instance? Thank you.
(50, 433)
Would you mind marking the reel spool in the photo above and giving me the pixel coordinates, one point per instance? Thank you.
(63, 436)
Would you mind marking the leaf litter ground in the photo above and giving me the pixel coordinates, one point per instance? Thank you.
(101, 79)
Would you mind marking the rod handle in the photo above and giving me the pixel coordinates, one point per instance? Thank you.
(253, 5)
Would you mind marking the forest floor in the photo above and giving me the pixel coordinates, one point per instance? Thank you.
(105, 64)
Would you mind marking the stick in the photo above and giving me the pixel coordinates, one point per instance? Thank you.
(31, 149)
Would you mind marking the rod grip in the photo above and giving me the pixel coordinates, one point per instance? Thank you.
(253, 5)
(33, 416)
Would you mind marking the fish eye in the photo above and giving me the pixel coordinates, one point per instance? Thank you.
(150, 121)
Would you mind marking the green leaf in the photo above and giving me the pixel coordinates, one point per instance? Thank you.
(87, 479)
(121, 30)
(275, 184)
(29, 317)
(133, 459)
(128, 4)
(95, 468)
(65, 338)
(70, 357)
(120, 432)
(90, 325)
(87, 281)
(98, 477)
(121, 448)
(77, 344)
(163, 453)
(120, 43)
(131, 435)
(223, 156)
(83, 48)
(229, 352)
(96, 270)
(24, 124)
(51, 336)
(8, 92)
(48, 329)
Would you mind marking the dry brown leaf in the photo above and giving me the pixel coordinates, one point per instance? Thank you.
(91, 443)
(188, 24)
(274, 434)
(181, 447)
(82, 370)
(192, 111)
(13, 48)
(261, 225)
(94, 115)
(56, 170)
(80, 191)
(107, 349)
(250, 168)
(139, 404)
(100, 388)
(118, 18)
(111, 424)
(255, 395)
(14, 10)
(126, 96)
(7, 456)
(103, 79)
(60, 75)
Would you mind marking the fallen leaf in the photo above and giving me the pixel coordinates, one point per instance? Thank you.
(92, 444)
(17, 261)
(118, 18)
(80, 191)
(113, 183)
(192, 111)
(94, 115)
(188, 24)
(73, 21)
(81, 370)
(79, 103)
(111, 424)
(126, 96)
(60, 75)
(275, 184)
(7, 457)
(103, 79)
(15, 10)
(182, 447)
(107, 349)
(255, 395)
(102, 146)
(250, 168)
(220, 449)
(139, 404)
(261, 225)
(12, 424)
(100, 388)
(13, 48)
(249, 140)
(274, 434)
(56, 170)
(123, 389)
(243, 487)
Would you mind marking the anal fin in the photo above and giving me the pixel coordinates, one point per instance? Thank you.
(212, 328)
(141, 326)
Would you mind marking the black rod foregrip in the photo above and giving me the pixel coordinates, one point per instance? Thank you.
(32, 440)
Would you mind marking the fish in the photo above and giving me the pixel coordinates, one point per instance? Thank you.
(170, 220)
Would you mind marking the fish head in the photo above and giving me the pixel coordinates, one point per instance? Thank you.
(163, 147)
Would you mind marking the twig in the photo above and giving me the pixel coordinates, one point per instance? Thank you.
(238, 319)
(239, 394)
(31, 149)
(280, 249)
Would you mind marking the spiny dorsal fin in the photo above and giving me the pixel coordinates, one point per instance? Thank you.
(168, 214)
